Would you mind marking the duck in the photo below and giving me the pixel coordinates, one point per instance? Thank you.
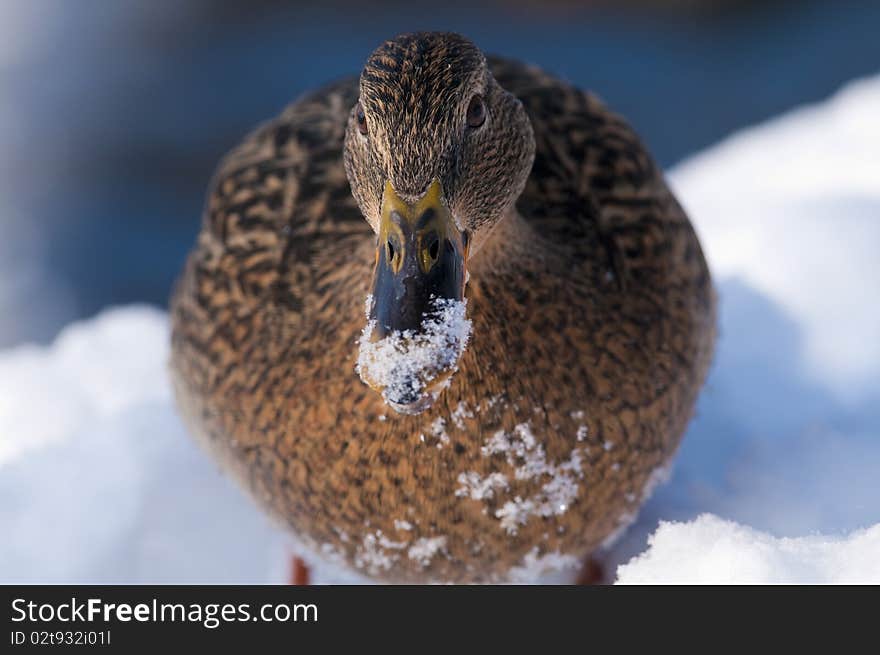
(444, 321)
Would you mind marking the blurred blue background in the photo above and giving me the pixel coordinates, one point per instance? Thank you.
(114, 114)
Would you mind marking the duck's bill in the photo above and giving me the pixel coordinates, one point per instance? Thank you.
(417, 328)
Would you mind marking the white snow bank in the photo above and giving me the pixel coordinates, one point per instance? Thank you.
(792, 208)
(94, 371)
(99, 481)
(786, 437)
(710, 550)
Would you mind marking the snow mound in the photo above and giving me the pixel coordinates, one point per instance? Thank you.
(95, 370)
(404, 364)
(99, 482)
(786, 436)
(710, 550)
(791, 208)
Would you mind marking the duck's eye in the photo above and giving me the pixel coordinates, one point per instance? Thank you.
(361, 118)
(476, 112)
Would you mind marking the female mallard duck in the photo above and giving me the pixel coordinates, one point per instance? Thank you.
(533, 322)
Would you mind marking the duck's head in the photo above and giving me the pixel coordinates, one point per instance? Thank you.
(436, 153)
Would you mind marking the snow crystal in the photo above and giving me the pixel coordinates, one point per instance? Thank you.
(405, 363)
(558, 493)
(497, 443)
(710, 550)
(515, 513)
(554, 498)
(459, 414)
(425, 549)
(581, 433)
(474, 485)
(578, 414)
(528, 459)
(438, 430)
(331, 559)
(491, 401)
(377, 553)
(526, 455)
(534, 566)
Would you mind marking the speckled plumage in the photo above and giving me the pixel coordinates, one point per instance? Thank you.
(593, 326)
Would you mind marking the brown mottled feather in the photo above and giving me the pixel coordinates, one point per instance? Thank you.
(592, 308)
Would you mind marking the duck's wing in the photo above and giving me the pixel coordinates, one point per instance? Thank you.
(279, 204)
(278, 195)
(594, 187)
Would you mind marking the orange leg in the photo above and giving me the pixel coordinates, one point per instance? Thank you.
(592, 573)
(299, 572)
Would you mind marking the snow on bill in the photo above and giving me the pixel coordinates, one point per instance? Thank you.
(405, 363)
